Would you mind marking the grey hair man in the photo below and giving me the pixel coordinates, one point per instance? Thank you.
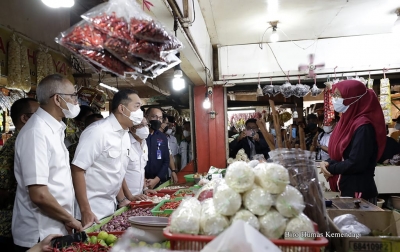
(45, 194)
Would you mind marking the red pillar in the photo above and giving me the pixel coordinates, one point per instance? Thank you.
(210, 133)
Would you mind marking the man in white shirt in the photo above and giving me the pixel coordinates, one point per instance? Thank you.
(45, 194)
(323, 140)
(185, 147)
(101, 159)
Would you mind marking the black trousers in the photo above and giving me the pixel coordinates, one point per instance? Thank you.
(20, 249)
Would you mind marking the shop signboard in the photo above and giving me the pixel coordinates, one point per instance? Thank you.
(61, 63)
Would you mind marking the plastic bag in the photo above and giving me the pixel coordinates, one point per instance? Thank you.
(301, 90)
(257, 200)
(186, 218)
(51, 69)
(211, 222)
(272, 177)
(347, 223)
(14, 64)
(25, 71)
(239, 176)
(248, 217)
(272, 224)
(106, 61)
(226, 200)
(41, 65)
(277, 90)
(290, 203)
(240, 237)
(315, 91)
(83, 36)
(268, 90)
(287, 90)
(300, 228)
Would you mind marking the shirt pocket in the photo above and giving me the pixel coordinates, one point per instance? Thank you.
(114, 154)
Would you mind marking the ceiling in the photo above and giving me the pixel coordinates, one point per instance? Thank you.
(233, 22)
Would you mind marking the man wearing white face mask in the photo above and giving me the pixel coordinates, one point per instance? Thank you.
(185, 146)
(45, 196)
(101, 159)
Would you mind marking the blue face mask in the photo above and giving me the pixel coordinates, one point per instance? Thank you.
(273, 132)
(294, 130)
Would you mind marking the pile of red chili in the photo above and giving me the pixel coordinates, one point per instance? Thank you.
(170, 205)
(83, 247)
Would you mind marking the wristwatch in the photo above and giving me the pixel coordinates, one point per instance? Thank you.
(174, 171)
(120, 201)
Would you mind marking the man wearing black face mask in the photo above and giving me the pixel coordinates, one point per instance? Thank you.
(156, 170)
(312, 130)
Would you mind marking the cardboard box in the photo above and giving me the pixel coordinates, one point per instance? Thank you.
(375, 220)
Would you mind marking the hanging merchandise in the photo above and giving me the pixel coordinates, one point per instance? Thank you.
(286, 89)
(25, 71)
(119, 37)
(259, 90)
(51, 69)
(277, 90)
(329, 112)
(14, 64)
(41, 65)
(385, 98)
(269, 89)
(301, 90)
(315, 91)
(370, 82)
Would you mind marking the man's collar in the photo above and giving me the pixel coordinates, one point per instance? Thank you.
(115, 124)
(50, 120)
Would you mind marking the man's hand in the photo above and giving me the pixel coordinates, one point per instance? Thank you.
(45, 244)
(151, 183)
(174, 178)
(256, 137)
(73, 224)
(242, 135)
(88, 218)
(138, 197)
(324, 165)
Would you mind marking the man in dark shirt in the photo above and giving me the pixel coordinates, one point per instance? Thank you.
(156, 170)
(251, 140)
(312, 130)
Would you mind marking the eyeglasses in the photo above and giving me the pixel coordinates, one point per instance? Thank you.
(74, 96)
(154, 117)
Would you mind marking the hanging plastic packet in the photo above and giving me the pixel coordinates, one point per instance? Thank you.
(41, 65)
(25, 70)
(315, 91)
(302, 90)
(286, 89)
(14, 64)
(269, 89)
(277, 90)
(370, 83)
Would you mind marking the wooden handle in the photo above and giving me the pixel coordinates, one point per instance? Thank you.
(277, 124)
(267, 136)
(302, 139)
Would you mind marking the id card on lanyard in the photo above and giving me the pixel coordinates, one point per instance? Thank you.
(159, 141)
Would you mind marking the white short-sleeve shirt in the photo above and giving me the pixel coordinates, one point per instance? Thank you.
(173, 144)
(324, 141)
(41, 158)
(103, 152)
(134, 176)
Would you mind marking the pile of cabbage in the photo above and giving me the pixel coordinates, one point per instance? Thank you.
(260, 196)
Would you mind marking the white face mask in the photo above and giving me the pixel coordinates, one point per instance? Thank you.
(186, 133)
(168, 132)
(142, 132)
(327, 129)
(72, 111)
(136, 116)
(338, 105)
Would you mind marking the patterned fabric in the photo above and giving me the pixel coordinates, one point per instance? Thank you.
(329, 112)
(8, 185)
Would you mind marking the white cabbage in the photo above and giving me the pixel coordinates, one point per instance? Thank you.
(290, 203)
(300, 228)
(247, 217)
(239, 176)
(272, 224)
(186, 218)
(226, 201)
(272, 177)
(257, 200)
(211, 222)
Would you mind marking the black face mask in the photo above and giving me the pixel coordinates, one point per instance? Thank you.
(155, 124)
(165, 129)
(312, 126)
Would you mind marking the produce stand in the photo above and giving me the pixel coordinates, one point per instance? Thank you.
(167, 212)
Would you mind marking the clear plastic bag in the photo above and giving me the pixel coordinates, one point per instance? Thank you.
(268, 90)
(25, 70)
(226, 200)
(315, 91)
(51, 69)
(299, 225)
(277, 90)
(246, 216)
(290, 203)
(272, 224)
(186, 218)
(14, 64)
(83, 36)
(211, 222)
(272, 177)
(239, 176)
(347, 223)
(287, 90)
(257, 200)
(41, 65)
(301, 90)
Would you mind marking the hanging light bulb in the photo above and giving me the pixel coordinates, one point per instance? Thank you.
(67, 3)
(178, 83)
(206, 102)
(59, 3)
(259, 91)
(274, 36)
(396, 26)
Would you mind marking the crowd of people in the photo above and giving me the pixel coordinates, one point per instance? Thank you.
(49, 185)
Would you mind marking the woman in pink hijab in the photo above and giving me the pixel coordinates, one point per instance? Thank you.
(357, 141)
